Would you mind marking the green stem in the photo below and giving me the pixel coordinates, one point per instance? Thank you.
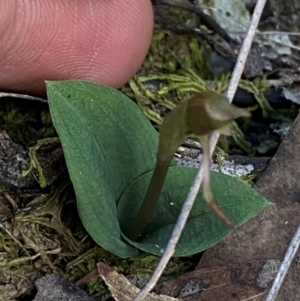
(150, 200)
(171, 134)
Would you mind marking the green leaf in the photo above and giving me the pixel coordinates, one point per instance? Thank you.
(239, 202)
(110, 149)
(108, 143)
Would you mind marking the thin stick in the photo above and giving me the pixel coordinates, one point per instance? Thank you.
(184, 214)
(289, 256)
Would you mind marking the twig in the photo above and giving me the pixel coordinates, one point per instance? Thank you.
(11, 200)
(289, 256)
(243, 53)
(43, 199)
(236, 75)
(24, 96)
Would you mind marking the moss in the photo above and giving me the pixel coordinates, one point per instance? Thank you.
(25, 122)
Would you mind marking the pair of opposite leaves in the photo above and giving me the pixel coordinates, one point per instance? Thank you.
(200, 115)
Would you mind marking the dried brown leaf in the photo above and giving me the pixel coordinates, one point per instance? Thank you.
(121, 288)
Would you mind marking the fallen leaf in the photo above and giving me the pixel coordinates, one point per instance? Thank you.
(231, 282)
(121, 289)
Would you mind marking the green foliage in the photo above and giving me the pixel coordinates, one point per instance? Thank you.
(35, 164)
(25, 122)
(257, 88)
(110, 149)
(238, 201)
(238, 137)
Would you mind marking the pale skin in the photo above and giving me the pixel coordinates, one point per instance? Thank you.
(71, 39)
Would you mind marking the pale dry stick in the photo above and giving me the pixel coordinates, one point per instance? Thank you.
(269, 32)
(288, 258)
(188, 204)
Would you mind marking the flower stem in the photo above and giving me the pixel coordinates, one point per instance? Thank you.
(151, 198)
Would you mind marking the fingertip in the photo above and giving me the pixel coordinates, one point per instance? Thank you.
(101, 41)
